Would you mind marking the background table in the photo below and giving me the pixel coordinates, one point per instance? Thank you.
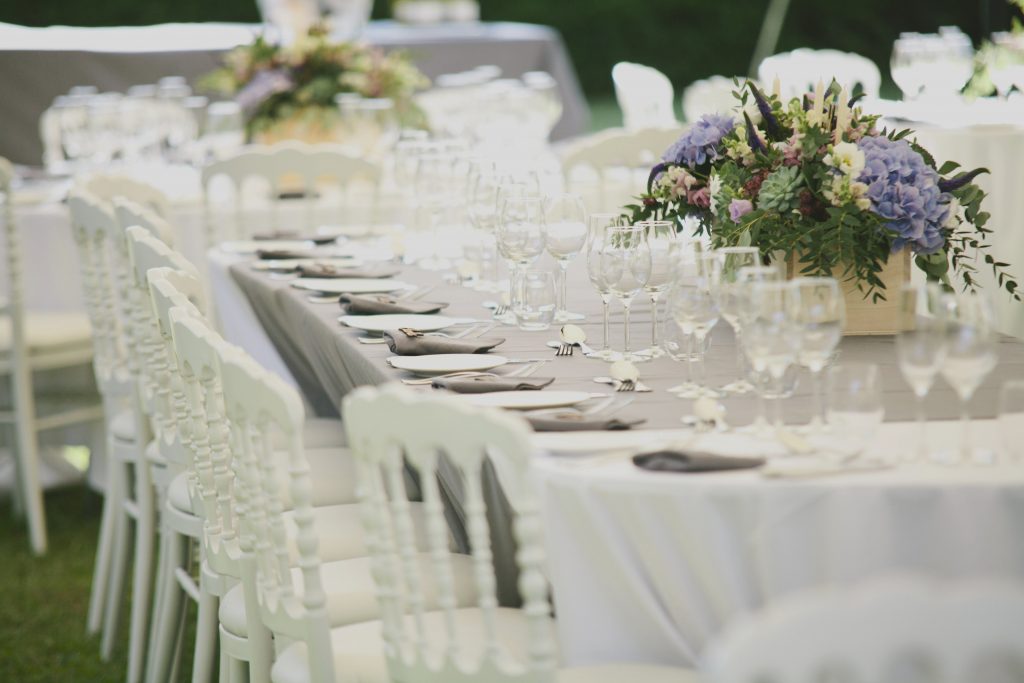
(38, 64)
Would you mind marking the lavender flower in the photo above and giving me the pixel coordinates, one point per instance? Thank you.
(262, 87)
(738, 208)
(699, 145)
(905, 192)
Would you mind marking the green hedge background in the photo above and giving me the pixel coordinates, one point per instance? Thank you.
(687, 39)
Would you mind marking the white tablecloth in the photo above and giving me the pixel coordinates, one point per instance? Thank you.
(649, 566)
(38, 64)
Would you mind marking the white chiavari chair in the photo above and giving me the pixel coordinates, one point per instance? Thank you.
(334, 188)
(130, 212)
(609, 169)
(645, 96)
(31, 342)
(109, 186)
(800, 71)
(415, 642)
(711, 95)
(116, 366)
(906, 628)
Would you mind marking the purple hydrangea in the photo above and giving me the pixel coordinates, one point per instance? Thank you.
(904, 190)
(699, 144)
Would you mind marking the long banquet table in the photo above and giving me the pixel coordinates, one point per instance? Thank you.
(41, 63)
(649, 567)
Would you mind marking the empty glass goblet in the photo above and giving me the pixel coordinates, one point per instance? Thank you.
(695, 311)
(565, 226)
(730, 261)
(625, 267)
(661, 239)
(598, 227)
(520, 234)
(820, 312)
(771, 338)
(920, 345)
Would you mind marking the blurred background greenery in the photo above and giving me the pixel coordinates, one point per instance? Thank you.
(687, 39)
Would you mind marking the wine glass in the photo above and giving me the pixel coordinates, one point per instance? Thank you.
(970, 355)
(597, 229)
(854, 407)
(771, 338)
(661, 238)
(625, 267)
(482, 208)
(730, 261)
(520, 234)
(920, 345)
(695, 311)
(565, 226)
(820, 312)
(435, 180)
(1011, 419)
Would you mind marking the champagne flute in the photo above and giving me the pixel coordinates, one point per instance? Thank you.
(565, 226)
(920, 345)
(730, 261)
(970, 355)
(598, 226)
(820, 312)
(520, 240)
(661, 238)
(625, 266)
(771, 338)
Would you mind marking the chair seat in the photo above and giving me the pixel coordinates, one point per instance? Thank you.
(49, 330)
(359, 658)
(351, 594)
(323, 431)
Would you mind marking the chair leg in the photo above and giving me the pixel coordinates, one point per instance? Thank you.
(239, 671)
(26, 457)
(179, 642)
(142, 581)
(207, 630)
(104, 549)
(223, 666)
(160, 587)
(167, 618)
(119, 565)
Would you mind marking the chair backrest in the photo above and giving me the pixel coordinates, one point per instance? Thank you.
(710, 96)
(12, 307)
(109, 186)
(92, 221)
(800, 70)
(645, 96)
(130, 212)
(393, 426)
(293, 167)
(609, 169)
(893, 629)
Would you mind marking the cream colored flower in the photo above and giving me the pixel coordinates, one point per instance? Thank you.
(847, 157)
(714, 187)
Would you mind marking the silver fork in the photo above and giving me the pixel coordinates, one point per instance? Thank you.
(626, 385)
(450, 375)
(564, 349)
(500, 310)
(457, 335)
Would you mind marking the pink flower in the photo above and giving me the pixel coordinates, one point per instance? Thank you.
(700, 198)
(739, 208)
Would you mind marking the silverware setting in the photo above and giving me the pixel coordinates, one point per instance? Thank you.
(637, 385)
(500, 311)
(529, 367)
(626, 385)
(564, 349)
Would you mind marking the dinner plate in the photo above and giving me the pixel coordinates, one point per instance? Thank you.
(528, 399)
(252, 246)
(397, 321)
(293, 263)
(428, 366)
(344, 285)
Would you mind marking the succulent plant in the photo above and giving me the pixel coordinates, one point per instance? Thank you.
(780, 191)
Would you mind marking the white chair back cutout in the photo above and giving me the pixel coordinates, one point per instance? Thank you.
(896, 629)
(800, 70)
(710, 95)
(645, 96)
(386, 424)
(289, 167)
(109, 186)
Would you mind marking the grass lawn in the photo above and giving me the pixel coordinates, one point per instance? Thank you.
(44, 600)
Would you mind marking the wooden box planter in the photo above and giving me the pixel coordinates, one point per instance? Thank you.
(863, 317)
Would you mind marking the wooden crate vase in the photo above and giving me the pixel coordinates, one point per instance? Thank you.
(863, 317)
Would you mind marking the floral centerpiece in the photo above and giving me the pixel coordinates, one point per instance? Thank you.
(289, 90)
(814, 181)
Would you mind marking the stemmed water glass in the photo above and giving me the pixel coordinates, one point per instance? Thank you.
(970, 354)
(482, 207)
(625, 267)
(819, 310)
(694, 310)
(920, 345)
(771, 338)
(661, 238)
(730, 260)
(599, 224)
(565, 226)
(520, 233)
(435, 184)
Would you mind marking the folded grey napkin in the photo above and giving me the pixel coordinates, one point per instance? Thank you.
(324, 270)
(282, 254)
(694, 461)
(426, 345)
(487, 385)
(572, 422)
(380, 304)
(294, 235)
